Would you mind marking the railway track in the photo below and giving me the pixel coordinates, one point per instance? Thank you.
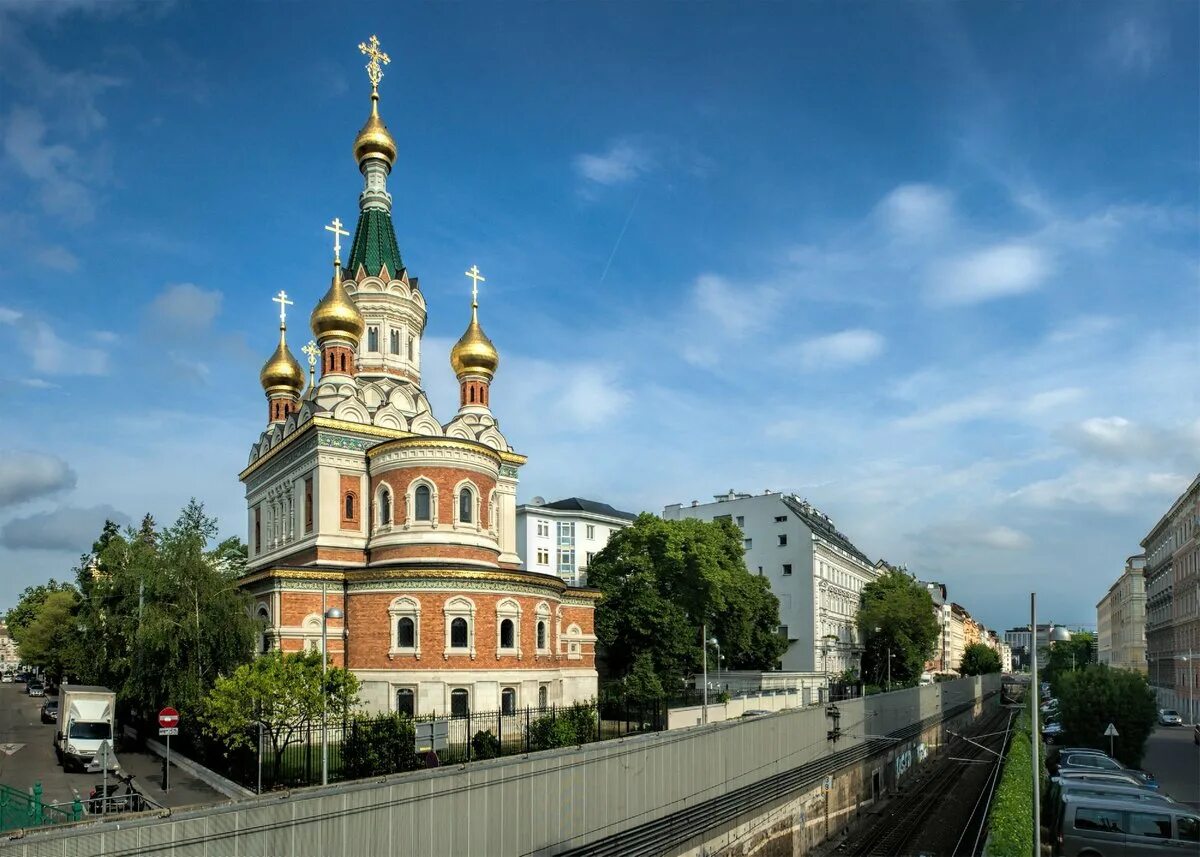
(898, 831)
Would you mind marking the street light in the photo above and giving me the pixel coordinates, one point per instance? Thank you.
(331, 613)
(889, 660)
(1059, 634)
(1189, 659)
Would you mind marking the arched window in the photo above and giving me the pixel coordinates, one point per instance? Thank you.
(394, 341)
(472, 391)
(385, 507)
(406, 633)
(466, 500)
(406, 701)
(410, 348)
(343, 362)
(458, 633)
(508, 701)
(372, 338)
(541, 635)
(265, 620)
(460, 702)
(543, 694)
(349, 507)
(506, 634)
(421, 501)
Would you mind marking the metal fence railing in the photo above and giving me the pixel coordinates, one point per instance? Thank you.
(20, 809)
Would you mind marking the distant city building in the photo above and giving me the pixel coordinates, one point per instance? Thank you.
(1172, 550)
(814, 570)
(958, 634)
(9, 656)
(562, 537)
(1121, 619)
(939, 661)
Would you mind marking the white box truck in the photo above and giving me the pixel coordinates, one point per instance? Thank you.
(87, 717)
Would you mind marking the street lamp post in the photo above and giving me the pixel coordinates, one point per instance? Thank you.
(1189, 661)
(326, 615)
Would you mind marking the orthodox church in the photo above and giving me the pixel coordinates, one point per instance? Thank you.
(397, 530)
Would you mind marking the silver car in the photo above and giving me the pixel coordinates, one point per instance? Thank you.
(1102, 827)
(1169, 717)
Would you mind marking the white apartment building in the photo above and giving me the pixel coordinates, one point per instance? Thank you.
(562, 537)
(814, 570)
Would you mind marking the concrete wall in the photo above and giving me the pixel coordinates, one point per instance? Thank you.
(543, 803)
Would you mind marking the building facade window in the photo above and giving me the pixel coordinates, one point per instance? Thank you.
(748, 543)
(541, 635)
(459, 633)
(508, 700)
(508, 625)
(779, 519)
(466, 503)
(348, 510)
(405, 615)
(741, 520)
(542, 627)
(591, 555)
(543, 556)
(406, 702)
(783, 540)
(385, 507)
(591, 531)
(507, 634)
(258, 529)
(421, 503)
(543, 528)
(460, 702)
(787, 569)
(406, 633)
(264, 621)
(372, 338)
(543, 696)
(394, 341)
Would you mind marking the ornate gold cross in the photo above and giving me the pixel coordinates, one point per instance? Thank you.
(336, 228)
(476, 279)
(312, 353)
(378, 57)
(284, 303)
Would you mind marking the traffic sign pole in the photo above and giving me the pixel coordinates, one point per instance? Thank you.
(168, 725)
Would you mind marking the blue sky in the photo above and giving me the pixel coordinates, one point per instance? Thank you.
(933, 266)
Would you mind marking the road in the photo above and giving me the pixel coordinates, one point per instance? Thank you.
(34, 760)
(1175, 761)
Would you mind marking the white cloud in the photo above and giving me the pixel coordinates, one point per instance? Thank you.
(995, 272)
(26, 476)
(1135, 45)
(57, 258)
(8, 316)
(845, 348)
(913, 211)
(184, 308)
(53, 355)
(65, 529)
(51, 166)
(623, 162)
(543, 398)
(1119, 438)
(969, 534)
(1104, 488)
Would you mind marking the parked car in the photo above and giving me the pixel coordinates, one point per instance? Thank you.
(1060, 791)
(50, 711)
(1114, 778)
(1094, 761)
(1115, 828)
(1051, 731)
(35, 688)
(7, 678)
(1169, 717)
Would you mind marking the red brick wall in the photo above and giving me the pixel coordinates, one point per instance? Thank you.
(445, 478)
(444, 551)
(337, 358)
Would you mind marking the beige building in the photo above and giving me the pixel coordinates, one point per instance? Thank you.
(1121, 619)
(9, 658)
(958, 621)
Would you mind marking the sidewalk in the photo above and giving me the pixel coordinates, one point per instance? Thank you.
(186, 790)
(1174, 759)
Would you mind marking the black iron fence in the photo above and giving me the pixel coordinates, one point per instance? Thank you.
(375, 745)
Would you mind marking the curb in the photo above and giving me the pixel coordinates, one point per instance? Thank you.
(223, 785)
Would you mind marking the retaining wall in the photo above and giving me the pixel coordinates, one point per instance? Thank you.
(602, 798)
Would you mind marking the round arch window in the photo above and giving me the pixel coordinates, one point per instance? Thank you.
(460, 702)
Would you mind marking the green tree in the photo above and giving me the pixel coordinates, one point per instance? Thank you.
(21, 616)
(979, 659)
(663, 580)
(1067, 656)
(896, 620)
(51, 640)
(284, 691)
(1091, 698)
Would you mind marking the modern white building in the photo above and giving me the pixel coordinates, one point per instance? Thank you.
(562, 537)
(814, 570)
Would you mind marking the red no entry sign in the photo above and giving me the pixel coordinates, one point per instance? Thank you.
(168, 718)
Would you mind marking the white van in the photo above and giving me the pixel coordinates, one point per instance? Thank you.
(1103, 827)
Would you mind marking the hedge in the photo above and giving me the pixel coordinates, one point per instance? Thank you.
(1010, 820)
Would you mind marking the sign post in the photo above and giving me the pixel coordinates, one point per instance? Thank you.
(168, 725)
(1111, 732)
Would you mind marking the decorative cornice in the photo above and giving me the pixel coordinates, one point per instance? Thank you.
(510, 457)
(356, 577)
(426, 442)
(508, 470)
(337, 441)
(274, 451)
(361, 428)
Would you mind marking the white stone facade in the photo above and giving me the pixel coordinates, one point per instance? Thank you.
(562, 537)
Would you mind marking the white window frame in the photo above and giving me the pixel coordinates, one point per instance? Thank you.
(380, 523)
(509, 608)
(543, 556)
(396, 688)
(543, 529)
(410, 517)
(574, 644)
(542, 614)
(401, 608)
(476, 506)
(590, 531)
(459, 607)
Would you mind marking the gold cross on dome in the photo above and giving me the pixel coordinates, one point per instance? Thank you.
(284, 303)
(336, 228)
(312, 353)
(378, 57)
(476, 279)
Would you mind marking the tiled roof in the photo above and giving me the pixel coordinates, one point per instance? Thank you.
(375, 244)
(823, 527)
(578, 504)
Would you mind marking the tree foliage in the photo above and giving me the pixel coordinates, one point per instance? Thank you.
(383, 744)
(21, 616)
(1062, 658)
(979, 659)
(896, 619)
(1091, 698)
(663, 580)
(285, 692)
(51, 640)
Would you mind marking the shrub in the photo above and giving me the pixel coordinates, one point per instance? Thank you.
(485, 745)
(1089, 699)
(374, 746)
(566, 728)
(1011, 818)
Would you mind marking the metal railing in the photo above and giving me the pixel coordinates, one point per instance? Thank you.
(20, 809)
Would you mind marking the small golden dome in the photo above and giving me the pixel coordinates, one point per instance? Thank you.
(282, 370)
(474, 353)
(374, 140)
(336, 316)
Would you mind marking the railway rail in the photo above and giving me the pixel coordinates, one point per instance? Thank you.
(899, 830)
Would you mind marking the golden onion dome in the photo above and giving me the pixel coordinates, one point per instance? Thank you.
(374, 140)
(474, 353)
(282, 370)
(336, 316)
